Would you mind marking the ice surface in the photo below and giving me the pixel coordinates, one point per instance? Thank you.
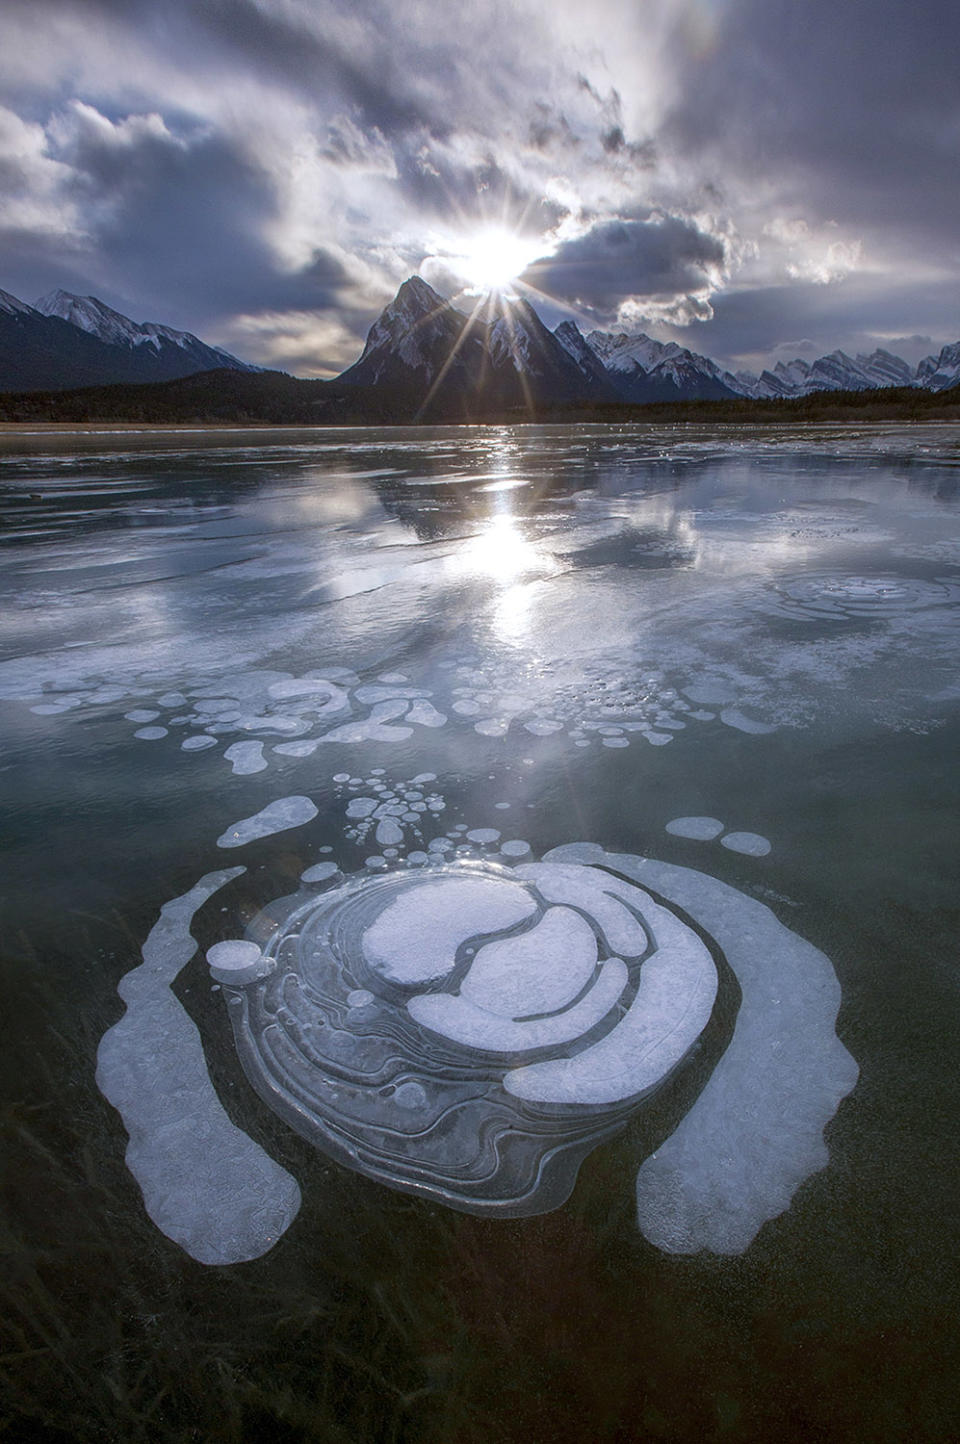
(205, 1183)
(277, 816)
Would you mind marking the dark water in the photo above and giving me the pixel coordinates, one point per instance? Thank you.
(598, 631)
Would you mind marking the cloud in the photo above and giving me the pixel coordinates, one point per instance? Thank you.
(708, 161)
(658, 262)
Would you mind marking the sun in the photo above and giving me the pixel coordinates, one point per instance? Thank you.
(493, 258)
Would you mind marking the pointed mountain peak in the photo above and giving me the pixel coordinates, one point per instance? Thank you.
(416, 295)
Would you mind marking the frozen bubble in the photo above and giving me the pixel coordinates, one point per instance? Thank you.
(389, 833)
(141, 714)
(172, 699)
(423, 777)
(341, 777)
(410, 1096)
(733, 718)
(658, 739)
(417, 858)
(415, 938)
(360, 998)
(502, 806)
(509, 978)
(375, 728)
(483, 835)
(467, 707)
(410, 816)
(361, 807)
(424, 714)
(297, 749)
(197, 742)
(380, 696)
(515, 848)
(237, 962)
(320, 872)
(715, 693)
(751, 844)
(375, 863)
(440, 844)
(492, 727)
(615, 741)
(543, 727)
(277, 816)
(700, 829)
(150, 734)
(392, 679)
(246, 758)
(323, 696)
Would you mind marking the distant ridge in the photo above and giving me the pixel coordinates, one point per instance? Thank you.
(424, 360)
(65, 341)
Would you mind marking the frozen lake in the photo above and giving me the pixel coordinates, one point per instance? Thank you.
(570, 817)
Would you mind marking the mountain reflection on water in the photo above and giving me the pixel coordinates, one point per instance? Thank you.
(254, 676)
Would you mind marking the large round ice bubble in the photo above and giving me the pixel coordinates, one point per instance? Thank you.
(472, 1033)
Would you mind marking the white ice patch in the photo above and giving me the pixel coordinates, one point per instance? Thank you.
(150, 734)
(700, 829)
(673, 1002)
(756, 1131)
(246, 758)
(199, 742)
(297, 749)
(206, 1185)
(465, 1022)
(414, 939)
(751, 844)
(424, 714)
(538, 971)
(320, 872)
(731, 717)
(277, 816)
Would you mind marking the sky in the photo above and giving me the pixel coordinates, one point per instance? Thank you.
(754, 179)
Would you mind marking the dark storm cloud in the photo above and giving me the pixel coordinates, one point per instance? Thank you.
(660, 256)
(854, 108)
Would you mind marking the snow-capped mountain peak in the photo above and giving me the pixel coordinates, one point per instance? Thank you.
(12, 306)
(92, 316)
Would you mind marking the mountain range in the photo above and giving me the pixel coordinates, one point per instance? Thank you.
(64, 341)
(425, 359)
